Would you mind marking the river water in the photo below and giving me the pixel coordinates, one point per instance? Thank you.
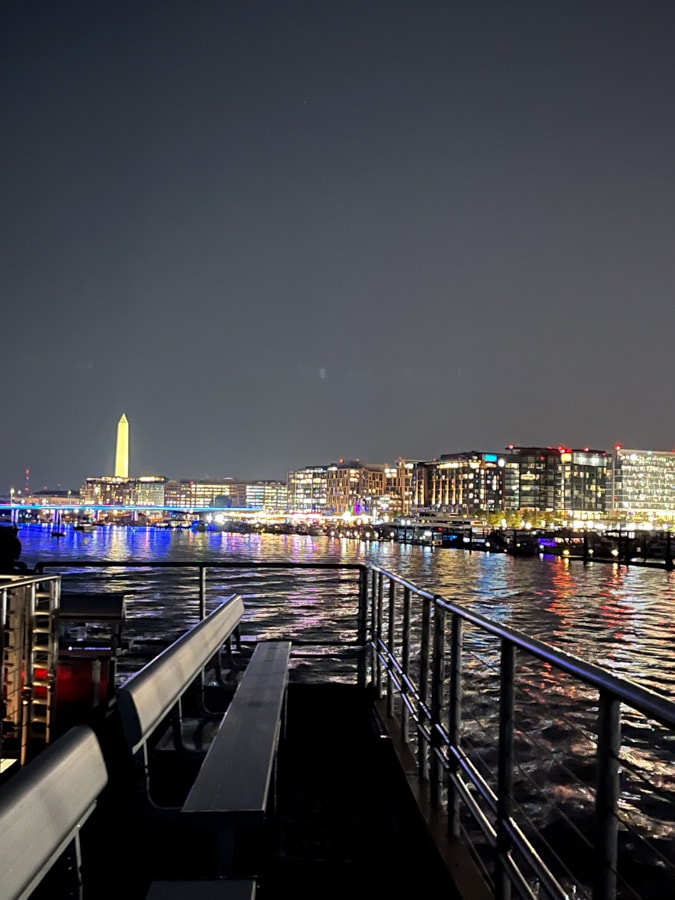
(616, 617)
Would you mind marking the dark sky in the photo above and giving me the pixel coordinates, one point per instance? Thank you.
(279, 233)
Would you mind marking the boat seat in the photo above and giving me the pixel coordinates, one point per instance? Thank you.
(42, 809)
(232, 787)
(236, 889)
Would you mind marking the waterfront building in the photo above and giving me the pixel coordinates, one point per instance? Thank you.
(397, 497)
(420, 485)
(584, 482)
(382, 491)
(191, 494)
(642, 484)
(568, 483)
(270, 496)
(353, 488)
(468, 484)
(113, 490)
(306, 491)
(105, 490)
(404, 484)
(148, 490)
(539, 485)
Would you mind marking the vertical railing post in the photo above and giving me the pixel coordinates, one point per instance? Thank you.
(378, 634)
(505, 768)
(372, 601)
(4, 650)
(607, 797)
(454, 721)
(202, 592)
(405, 666)
(437, 680)
(362, 627)
(422, 749)
(391, 639)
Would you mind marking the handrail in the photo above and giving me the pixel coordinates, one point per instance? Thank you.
(430, 702)
(41, 565)
(416, 650)
(646, 701)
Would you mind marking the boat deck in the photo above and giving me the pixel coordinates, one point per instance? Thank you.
(345, 822)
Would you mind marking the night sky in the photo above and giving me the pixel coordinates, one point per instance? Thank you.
(275, 234)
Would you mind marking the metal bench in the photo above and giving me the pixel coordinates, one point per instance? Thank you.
(42, 809)
(232, 786)
(147, 698)
(237, 889)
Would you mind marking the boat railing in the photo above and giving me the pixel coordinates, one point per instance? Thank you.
(322, 607)
(556, 773)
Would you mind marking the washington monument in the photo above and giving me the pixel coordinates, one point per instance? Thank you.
(122, 454)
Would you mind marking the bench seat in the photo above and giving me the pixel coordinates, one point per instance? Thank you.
(232, 786)
(43, 807)
(235, 889)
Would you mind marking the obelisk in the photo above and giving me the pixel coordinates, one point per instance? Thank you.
(122, 454)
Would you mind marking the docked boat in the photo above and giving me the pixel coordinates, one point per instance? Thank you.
(398, 740)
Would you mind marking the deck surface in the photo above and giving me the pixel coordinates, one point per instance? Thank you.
(344, 824)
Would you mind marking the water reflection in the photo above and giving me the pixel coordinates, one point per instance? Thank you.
(618, 617)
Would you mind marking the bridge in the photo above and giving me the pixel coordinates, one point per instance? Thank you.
(20, 512)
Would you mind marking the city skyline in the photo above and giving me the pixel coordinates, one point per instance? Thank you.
(277, 234)
(123, 465)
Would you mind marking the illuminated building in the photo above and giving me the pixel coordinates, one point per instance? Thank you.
(420, 484)
(148, 490)
(192, 494)
(556, 480)
(353, 488)
(122, 450)
(270, 496)
(113, 490)
(397, 497)
(105, 490)
(468, 484)
(642, 484)
(584, 480)
(539, 485)
(307, 491)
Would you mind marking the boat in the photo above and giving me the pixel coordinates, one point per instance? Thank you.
(388, 784)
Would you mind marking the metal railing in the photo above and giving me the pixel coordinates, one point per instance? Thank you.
(340, 587)
(553, 799)
(28, 652)
(557, 775)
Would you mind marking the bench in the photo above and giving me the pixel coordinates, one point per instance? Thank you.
(237, 889)
(232, 786)
(147, 698)
(42, 809)
(233, 783)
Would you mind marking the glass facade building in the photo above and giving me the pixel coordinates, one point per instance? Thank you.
(642, 484)
(307, 491)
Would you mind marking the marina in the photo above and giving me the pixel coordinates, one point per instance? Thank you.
(421, 671)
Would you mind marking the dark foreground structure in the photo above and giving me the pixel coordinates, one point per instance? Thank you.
(342, 823)
(337, 732)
